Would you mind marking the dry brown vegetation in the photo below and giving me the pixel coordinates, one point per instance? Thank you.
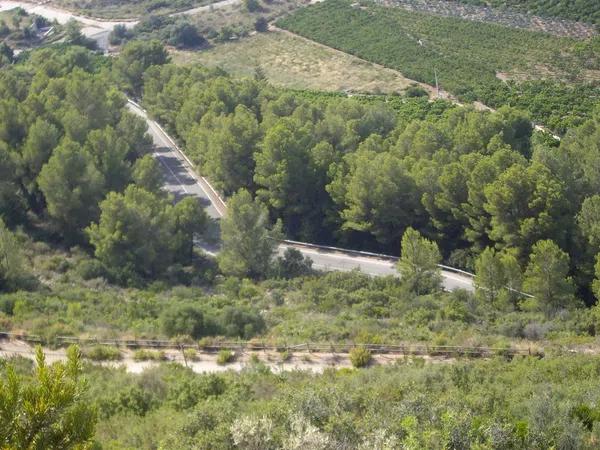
(293, 62)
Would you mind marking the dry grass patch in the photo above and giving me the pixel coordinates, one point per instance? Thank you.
(295, 63)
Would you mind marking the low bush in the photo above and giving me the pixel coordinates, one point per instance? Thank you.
(284, 356)
(190, 354)
(102, 353)
(360, 357)
(149, 355)
(225, 356)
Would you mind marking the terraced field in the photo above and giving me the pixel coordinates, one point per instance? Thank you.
(517, 18)
(468, 57)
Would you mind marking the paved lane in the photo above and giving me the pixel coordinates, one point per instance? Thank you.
(180, 178)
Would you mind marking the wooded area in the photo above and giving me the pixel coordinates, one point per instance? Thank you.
(92, 245)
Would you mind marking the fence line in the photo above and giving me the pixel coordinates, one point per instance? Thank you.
(309, 347)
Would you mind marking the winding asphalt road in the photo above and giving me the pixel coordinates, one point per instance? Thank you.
(182, 180)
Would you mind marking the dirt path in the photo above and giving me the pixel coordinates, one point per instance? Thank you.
(207, 362)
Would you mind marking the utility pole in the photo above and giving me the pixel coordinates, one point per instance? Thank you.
(437, 86)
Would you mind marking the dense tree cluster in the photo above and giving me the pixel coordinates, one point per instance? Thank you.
(71, 154)
(66, 140)
(139, 232)
(361, 174)
(176, 31)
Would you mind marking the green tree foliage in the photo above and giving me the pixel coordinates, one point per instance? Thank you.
(50, 410)
(490, 279)
(74, 36)
(6, 53)
(12, 267)
(252, 5)
(358, 172)
(418, 263)
(261, 25)
(11, 203)
(147, 174)
(119, 34)
(526, 204)
(109, 152)
(283, 171)
(184, 35)
(498, 277)
(135, 57)
(72, 187)
(381, 197)
(292, 264)
(546, 277)
(42, 139)
(582, 147)
(228, 144)
(248, 242)
(141, 233)
(190, 221)
(588, 220)
(596, 282)
(133, 129)
(66, 140)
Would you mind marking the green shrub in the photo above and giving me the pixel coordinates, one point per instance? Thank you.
(183, 320)
(360, 357)
(102, 353)
(89, 269)
(149, 355)
(205, 342)
(225, 356)
(190, 354)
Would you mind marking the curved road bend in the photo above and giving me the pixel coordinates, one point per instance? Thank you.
(96, 29)
(181, 180)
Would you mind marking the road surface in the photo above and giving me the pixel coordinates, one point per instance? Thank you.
(95, 29)
(181, 180)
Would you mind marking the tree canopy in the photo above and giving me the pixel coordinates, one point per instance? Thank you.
(249, 243)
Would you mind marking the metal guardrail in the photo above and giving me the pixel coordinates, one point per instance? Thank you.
(369, 254)
(307, 347)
